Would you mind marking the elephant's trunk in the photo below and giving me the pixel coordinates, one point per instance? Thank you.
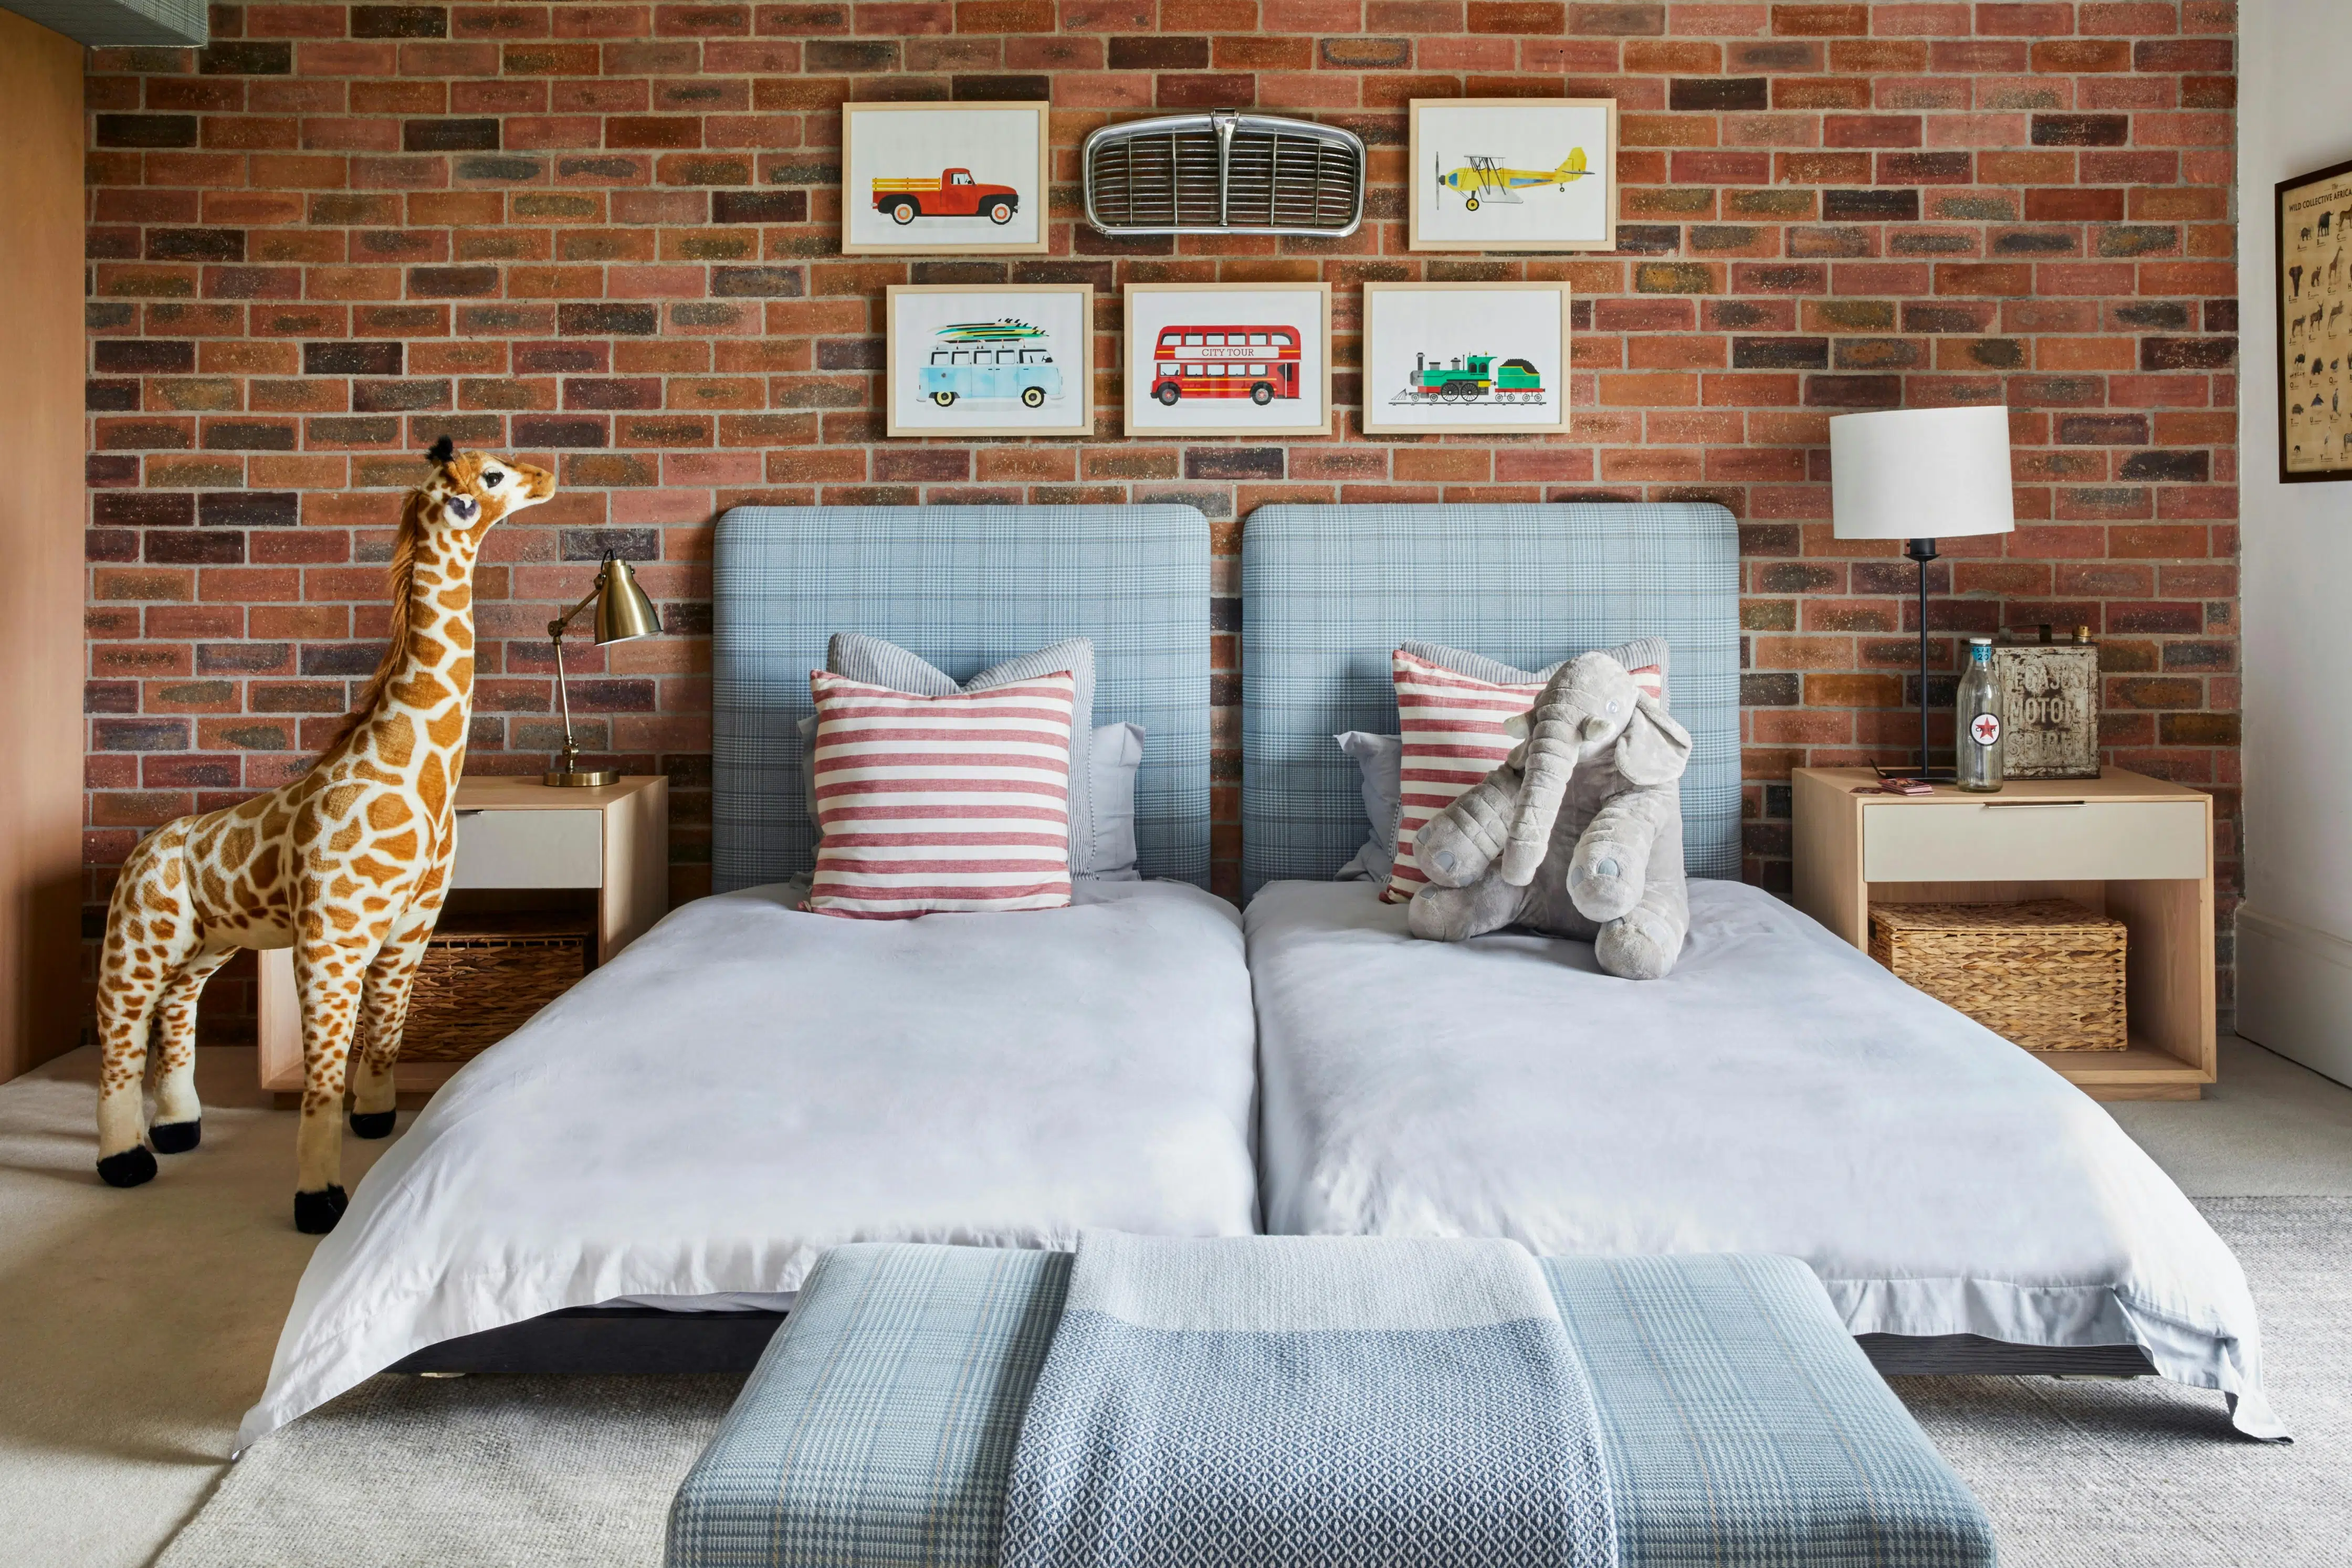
(1552, 746)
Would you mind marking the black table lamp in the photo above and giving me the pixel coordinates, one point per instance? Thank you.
(1920, 474)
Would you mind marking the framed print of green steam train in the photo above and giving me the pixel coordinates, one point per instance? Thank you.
(990, 359)
(1512, 173)
(1486, 359)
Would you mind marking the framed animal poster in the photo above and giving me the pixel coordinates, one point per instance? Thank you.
(1228, 358)
(1472, 357)
(1513, 174)
(989, 360)
(2315, 329)
(942, 179)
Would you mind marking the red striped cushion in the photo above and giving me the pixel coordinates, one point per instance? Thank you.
(1453, 729)
(956, 802)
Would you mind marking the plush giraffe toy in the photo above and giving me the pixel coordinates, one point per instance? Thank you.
(347, 864)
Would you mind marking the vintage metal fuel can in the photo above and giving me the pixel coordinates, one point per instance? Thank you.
(2048, 694)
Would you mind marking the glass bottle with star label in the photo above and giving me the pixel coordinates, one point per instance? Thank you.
(1975, 713)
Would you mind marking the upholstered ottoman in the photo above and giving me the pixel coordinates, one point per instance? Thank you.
(1743, 1426)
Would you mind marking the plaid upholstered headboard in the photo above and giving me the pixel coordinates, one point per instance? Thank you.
(1327, 592)
(964, 587)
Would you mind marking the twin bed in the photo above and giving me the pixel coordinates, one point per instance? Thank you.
(676, 1140)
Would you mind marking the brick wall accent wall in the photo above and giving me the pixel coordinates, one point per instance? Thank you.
(604, 236)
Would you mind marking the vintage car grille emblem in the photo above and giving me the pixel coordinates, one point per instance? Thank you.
(1224, 173)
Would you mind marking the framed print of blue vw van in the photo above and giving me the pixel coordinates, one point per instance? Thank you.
(1013, 359)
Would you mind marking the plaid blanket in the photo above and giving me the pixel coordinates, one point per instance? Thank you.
(1742, 1427)
(1312, 1401)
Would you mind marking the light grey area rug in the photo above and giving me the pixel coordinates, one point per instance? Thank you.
(551, 1472)
(2145, 1474)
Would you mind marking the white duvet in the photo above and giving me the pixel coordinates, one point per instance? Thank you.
(748, 1085)
(1778, 1092)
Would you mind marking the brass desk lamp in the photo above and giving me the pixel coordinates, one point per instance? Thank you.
(623, 614)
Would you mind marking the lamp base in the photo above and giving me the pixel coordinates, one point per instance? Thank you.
(582, 779)
(1924, 775)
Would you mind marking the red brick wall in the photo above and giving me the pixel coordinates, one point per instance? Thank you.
(604, 235)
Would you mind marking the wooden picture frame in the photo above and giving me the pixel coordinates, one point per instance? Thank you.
(2312, 275)
(976, 346)
(1000, 150)
(1260, 384)
(1422, 348)
(1532, 202)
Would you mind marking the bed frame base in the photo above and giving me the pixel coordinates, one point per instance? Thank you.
(1973, 1356)
(622, 1341)
(608, 1341)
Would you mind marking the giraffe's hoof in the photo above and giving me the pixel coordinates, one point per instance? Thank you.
(372, 1123)
(315, 1213)
(133, 1167)
(176, 1137)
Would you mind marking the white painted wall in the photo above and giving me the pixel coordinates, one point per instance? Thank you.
(2294, 930)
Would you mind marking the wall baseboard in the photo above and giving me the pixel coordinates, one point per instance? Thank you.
(2294, 992)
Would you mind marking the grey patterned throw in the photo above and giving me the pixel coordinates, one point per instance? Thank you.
(1317, 1402)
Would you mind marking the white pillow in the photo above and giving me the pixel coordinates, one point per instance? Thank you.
(1381, 760)
(1113, 752)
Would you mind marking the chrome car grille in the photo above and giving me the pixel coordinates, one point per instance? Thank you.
(1224, 173)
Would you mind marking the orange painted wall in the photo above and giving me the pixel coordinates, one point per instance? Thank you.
(41, 507)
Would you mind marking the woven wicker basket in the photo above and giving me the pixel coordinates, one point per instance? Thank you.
(2047, 974)
(476, 987)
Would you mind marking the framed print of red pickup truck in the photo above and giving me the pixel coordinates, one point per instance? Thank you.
(937, 179)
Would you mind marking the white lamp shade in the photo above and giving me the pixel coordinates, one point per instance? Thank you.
(1921, 473)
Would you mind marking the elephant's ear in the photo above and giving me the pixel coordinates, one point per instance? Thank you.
(1654, 750)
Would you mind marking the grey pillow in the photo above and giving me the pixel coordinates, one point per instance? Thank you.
(1632, 654)
(1372, 864)
(880, 663)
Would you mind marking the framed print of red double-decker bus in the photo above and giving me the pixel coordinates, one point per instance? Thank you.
(1228, 358)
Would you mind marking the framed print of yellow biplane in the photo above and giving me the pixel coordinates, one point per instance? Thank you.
(1513, 174)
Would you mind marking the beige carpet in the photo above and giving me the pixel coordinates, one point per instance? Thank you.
(469, 1472)
(2269, 1128)
(136, 1327)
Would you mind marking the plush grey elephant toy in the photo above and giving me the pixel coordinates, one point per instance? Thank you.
(1580, 833)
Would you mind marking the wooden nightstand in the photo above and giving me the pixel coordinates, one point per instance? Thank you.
(2138, 848)
(521, 846)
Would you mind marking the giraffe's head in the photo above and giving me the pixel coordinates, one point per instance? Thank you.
(471, 490)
